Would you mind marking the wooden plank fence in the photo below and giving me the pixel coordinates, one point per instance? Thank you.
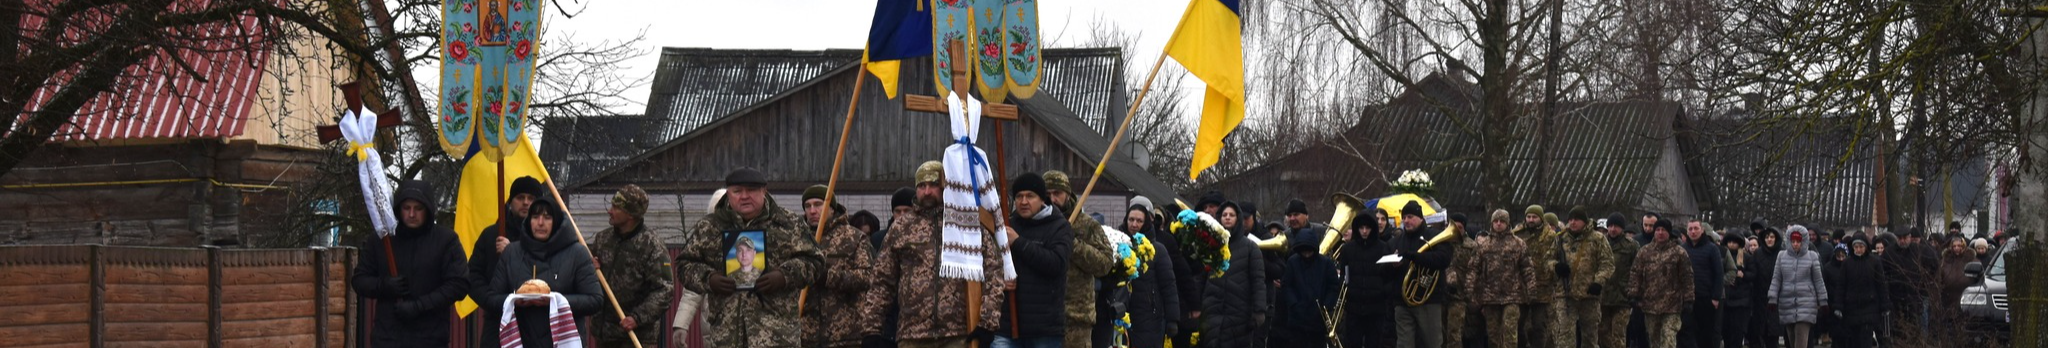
(117, 296)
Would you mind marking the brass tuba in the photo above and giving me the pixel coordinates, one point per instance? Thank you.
(1340, 222)
(1420, 283)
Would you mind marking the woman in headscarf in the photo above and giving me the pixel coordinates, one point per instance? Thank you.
(548, 254)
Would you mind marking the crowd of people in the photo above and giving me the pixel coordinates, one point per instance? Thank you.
(1396, 278)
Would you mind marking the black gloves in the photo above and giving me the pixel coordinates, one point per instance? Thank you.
(873, 341)
(1564, 269)
(1593, 289)
(408, 309)
(399, 286)
(984, 335)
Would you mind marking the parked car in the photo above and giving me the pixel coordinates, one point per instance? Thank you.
(1984, 304)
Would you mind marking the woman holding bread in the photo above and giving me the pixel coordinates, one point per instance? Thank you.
(533, 269)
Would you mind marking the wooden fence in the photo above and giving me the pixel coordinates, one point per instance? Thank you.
(112, 296)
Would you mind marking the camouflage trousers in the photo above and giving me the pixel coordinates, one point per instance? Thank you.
(1500, 324)
(1078, 335)
(1578, 320)
(1614, 326)
(1454, 324)
(1546, 324)
(1663, 329)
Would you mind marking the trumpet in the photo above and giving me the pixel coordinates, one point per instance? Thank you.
(1420, 283)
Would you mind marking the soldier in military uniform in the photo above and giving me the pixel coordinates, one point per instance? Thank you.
(1615, 308)
(766, 315)
(1661, 283)
(637, 265)
(933, 310)
(1589, 264)
(1458, 308)
(832, 315)
(1542, 301)
(1499, 260)
(1091, 260)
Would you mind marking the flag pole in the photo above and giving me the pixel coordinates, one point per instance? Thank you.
(832, 184)
(578, 231)
(1128, 115)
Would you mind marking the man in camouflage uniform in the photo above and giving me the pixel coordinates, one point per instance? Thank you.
(1499, 260)
(1542, 301)
(766, 315)
(933, 311)
(1661, 283)
(1456, 310)
(1090, 260)
(637, 266)
(1589, 263)
(832, 315)
(1615, 308)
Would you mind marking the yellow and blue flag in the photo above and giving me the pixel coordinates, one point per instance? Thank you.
(902, 29)
(477, 206)
(1209, 45)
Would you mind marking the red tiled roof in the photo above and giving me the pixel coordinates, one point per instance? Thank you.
(157, 99)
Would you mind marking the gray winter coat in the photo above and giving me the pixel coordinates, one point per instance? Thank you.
(1797, 287)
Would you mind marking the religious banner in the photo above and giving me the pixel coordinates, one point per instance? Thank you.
(487, 71)
(1002, 38)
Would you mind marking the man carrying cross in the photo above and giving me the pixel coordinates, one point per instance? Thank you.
(907, 277)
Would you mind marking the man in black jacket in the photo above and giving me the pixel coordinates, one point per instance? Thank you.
(1420, 325)
(1701, 328)
(413, 306)
(1369, 285)
(1041, 244)
(1307, 292)
(484, 251)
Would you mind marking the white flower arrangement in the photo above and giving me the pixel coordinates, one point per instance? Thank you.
(1415, 182)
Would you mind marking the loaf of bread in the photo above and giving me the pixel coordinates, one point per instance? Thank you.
(534, 287)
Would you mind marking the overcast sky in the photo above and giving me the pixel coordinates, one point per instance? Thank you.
(822, 24)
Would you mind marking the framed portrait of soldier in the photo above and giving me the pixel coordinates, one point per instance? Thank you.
(746, 257)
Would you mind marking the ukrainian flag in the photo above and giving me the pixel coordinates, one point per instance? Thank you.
(902, 29)
(477, 206)
(1209, 46)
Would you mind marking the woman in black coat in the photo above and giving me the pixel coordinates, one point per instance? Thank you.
(1764, 328)
(1155, 296)
(552, 255)
(1864, 297)
(1234, 304)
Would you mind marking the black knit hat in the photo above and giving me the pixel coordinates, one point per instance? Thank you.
(1615, 219)
(1029, 182)
(1578, 213)
(746, 177)
(1208, 199)
(1459, 218)
(1411, 209)
(528, 185)
(904, 197)
(1247, 209)
(1296, 206)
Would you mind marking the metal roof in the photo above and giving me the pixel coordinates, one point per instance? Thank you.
(159, 99)
(1603, 155)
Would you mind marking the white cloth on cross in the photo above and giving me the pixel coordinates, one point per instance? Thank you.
(361, 132)
(969, 191)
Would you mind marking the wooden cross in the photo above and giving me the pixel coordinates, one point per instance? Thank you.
(962, 80)
(352, 97)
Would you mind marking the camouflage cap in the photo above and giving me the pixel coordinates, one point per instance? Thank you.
(1057, 181)
(931, 171)
(631, 199)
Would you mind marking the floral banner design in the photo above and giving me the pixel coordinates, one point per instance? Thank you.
(487, 72)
